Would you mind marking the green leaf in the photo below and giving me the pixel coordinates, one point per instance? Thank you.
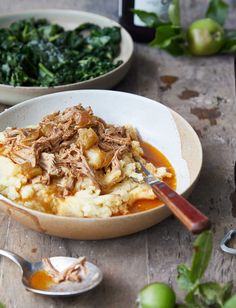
(201, 256)
(210, 294)
(183, 279)
(213, 293)
(230, 34)
(227, 290)
(192, 298)
(150, 19)
(174, 12)
(170, 39)
(231, 303)
(230, 42)
(218, 11)
(195, 300)
(2, 306)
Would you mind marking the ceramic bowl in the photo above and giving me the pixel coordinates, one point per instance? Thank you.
(69, 20)
(157, 124)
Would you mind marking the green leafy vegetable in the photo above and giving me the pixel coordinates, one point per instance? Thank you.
(218, 11)
(37, 53)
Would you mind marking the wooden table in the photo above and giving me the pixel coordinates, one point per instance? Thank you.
(204, 94)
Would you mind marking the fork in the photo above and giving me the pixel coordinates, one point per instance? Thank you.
(188, 215)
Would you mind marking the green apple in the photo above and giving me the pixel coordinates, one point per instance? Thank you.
(156, 295)
(205, 37)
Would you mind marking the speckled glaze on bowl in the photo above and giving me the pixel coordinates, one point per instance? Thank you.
(69, 19)
(157, 124)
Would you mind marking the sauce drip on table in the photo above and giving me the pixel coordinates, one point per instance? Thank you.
(158, 159)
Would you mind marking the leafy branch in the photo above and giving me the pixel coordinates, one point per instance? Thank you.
(203, 37)
(207, 294)
(199, 294)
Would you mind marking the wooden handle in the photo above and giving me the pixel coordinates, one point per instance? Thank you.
(191, 217)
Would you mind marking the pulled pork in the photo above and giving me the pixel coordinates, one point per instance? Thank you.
(57, 149)
(72, 273)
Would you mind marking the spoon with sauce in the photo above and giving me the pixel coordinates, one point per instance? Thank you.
(37, 280)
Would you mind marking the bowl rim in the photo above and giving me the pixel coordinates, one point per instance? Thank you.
(95, 219)
(72, 12)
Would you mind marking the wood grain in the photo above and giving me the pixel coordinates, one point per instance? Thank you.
(129, 263)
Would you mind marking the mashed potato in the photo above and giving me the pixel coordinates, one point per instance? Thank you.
(79, 175)
(86, 202)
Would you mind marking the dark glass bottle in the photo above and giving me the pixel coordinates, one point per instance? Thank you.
(133, 24)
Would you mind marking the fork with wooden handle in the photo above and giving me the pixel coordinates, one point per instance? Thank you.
(192, 218)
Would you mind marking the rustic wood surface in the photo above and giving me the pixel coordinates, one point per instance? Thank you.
(202, 91)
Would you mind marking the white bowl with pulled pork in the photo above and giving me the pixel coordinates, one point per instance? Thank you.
(67, 160)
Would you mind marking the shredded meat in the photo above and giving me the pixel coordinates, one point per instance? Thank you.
(48, 163)
(72, 273)
(55, 146)
(113, 138)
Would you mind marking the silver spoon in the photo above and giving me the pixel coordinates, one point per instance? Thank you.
(91, 279)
